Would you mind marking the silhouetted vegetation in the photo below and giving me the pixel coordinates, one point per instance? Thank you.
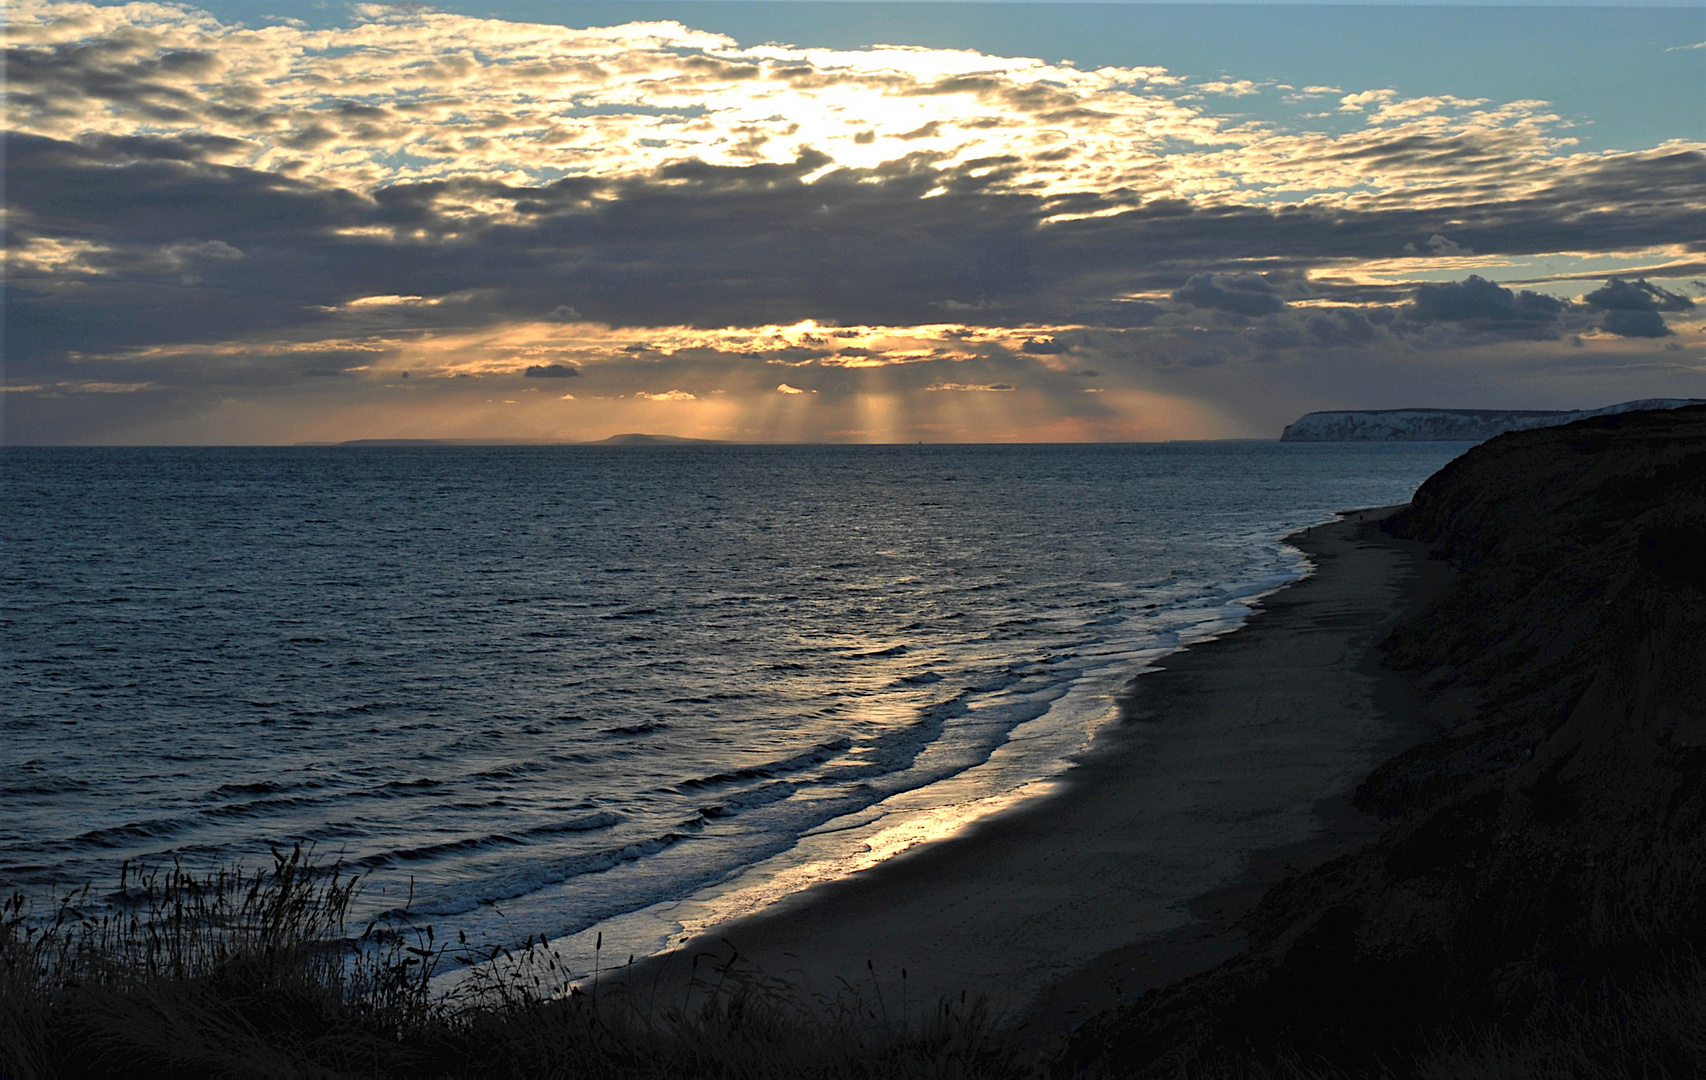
(255, 974)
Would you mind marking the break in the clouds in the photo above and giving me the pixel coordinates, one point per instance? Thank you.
(421, 224)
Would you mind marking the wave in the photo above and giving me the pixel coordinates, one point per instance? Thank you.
(120, 835)
(823, 751)
(530, 876)
(602, 820)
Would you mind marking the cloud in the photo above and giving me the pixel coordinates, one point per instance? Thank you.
(1486, 306)
(1231, 87)
(711, 246)
(1439, 245)
(1632, 307)
(83, 387)
(551, 371)
(221, 213)
(784, 388)
(1363, 99)
(1340, 328)
(1390, 110)
(1243, 294)
(1620, 295)
(1644, 324)
(972, 387)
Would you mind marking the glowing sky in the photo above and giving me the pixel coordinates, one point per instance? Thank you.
(883, 222)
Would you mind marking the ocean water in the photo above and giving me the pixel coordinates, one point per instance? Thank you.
(571, 690)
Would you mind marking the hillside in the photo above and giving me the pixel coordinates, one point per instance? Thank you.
(1538, 891)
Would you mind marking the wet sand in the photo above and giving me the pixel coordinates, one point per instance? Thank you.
(1234, 761)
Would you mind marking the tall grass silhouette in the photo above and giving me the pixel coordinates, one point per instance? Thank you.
(245, 973)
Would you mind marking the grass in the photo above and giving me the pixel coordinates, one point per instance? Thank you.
(1651, 1027)
(257, 974)
(1654, 1030)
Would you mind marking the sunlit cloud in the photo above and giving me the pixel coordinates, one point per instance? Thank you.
(411, 95)
(83, 387)
(406, 224)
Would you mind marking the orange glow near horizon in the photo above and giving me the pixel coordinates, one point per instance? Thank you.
(877, 415)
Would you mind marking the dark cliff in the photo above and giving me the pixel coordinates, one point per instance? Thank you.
(1544, 869)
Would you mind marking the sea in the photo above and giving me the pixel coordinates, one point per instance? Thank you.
(611, 693)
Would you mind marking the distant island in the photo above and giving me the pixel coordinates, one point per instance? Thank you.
(1449, 425)
(649, 440)
(443, 442)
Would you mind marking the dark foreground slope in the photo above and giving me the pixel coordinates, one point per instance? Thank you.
(1539, 898)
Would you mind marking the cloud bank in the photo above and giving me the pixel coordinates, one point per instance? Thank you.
(401, 227)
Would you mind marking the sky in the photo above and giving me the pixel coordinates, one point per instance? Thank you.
(255, 222)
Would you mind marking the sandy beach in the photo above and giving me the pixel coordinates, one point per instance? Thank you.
(1233, 763)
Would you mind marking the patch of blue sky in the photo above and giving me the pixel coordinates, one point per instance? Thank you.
(408, 166)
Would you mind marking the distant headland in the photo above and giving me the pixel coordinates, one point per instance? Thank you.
(1449, 425)
(648, 440)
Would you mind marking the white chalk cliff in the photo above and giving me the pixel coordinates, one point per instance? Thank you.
(1446, 425)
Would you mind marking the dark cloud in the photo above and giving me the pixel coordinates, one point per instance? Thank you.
(1329, 328)
(1044, 346)
(551, 371)
(113, 70)
(1119, 313)
(1638, 295)
(714, 246)
(1632, 307)
(1342, 327)
(1477, 298)
(1486, 306)
(1279, 336)
(1625, 323)
(1242, 294)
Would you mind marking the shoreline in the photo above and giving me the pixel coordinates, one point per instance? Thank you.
(1029, 768)
(1232, 764)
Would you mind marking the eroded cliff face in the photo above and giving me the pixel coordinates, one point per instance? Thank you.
(1548, 848)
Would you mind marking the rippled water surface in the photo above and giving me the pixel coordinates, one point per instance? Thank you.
(559, 684)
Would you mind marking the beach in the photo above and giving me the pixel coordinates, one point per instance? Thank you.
(1232, 764)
